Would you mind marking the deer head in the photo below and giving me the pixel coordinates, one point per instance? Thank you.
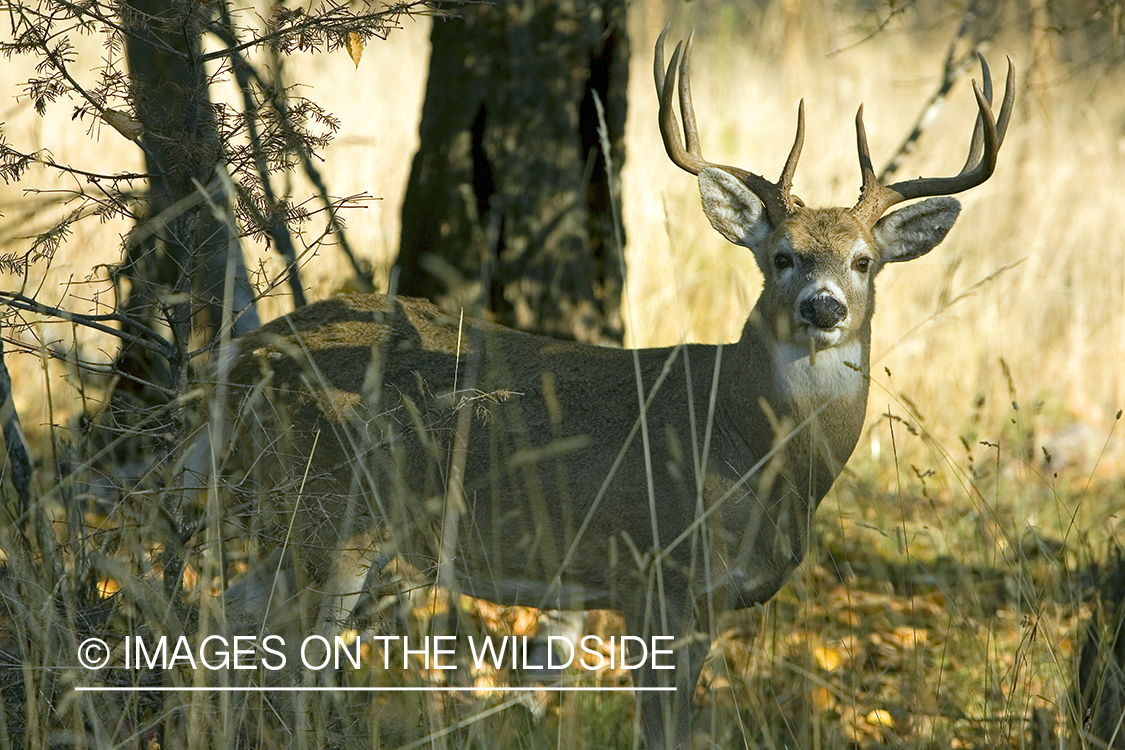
(819, 264)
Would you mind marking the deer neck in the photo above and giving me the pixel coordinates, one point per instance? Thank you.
(825, 390)
(828, 380)
(812, 406)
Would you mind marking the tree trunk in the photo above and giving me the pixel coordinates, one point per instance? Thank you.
(507, 213)
(177, 258)
(179, 251)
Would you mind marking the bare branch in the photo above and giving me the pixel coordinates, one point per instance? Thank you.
(151, 340)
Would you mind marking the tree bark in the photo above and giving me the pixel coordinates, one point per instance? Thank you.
(508, 210)
(177, 258)
(179, 251)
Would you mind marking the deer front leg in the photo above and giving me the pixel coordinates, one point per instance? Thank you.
(666, 714)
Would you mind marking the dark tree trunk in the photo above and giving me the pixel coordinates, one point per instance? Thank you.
(176, 263)
(177, 260)
(507, 213)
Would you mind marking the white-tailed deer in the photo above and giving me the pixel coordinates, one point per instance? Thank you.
(670, 484)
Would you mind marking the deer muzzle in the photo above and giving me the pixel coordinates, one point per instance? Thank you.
(823, 311)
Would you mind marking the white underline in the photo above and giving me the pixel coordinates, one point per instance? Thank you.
(404, 689)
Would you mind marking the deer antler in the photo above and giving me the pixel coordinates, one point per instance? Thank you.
(776, 196)
(988, 134)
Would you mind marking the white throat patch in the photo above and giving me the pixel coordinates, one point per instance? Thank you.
(833, 373)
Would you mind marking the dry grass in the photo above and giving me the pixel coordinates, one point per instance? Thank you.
(943, 605)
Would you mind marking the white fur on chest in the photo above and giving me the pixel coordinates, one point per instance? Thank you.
(835, 373)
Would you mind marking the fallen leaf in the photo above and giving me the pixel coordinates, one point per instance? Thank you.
(880, 718)
(827, 657)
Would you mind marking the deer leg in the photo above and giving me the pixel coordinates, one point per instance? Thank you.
(666, 714)
(347, 582)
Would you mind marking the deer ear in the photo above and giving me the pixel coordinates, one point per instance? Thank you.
(732, 208)
(913, 231)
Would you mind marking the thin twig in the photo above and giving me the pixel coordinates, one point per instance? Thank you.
(954, 68)
(93, 176)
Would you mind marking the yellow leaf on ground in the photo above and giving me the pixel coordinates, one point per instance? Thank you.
(880, 718)
(821, 699)
(828, 658)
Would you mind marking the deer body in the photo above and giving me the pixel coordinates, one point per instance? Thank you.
(525, 471)
(569, 410)
(538, 457)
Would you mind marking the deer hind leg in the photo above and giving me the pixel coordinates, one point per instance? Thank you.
(351, 568)
(343, 581)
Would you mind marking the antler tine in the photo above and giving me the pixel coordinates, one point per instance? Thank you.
(1001, 119)
(968, 178)
(988, 134)
(687, 154)
(785, 182)
(977, 143)
(687, 109)
(1006, 106)
(874, 199)
(689, 160)
(658, 61)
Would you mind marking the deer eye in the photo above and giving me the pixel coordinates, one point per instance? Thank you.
(782, 261)
(863, 265)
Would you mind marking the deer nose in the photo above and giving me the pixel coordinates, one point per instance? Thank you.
(823, 311)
